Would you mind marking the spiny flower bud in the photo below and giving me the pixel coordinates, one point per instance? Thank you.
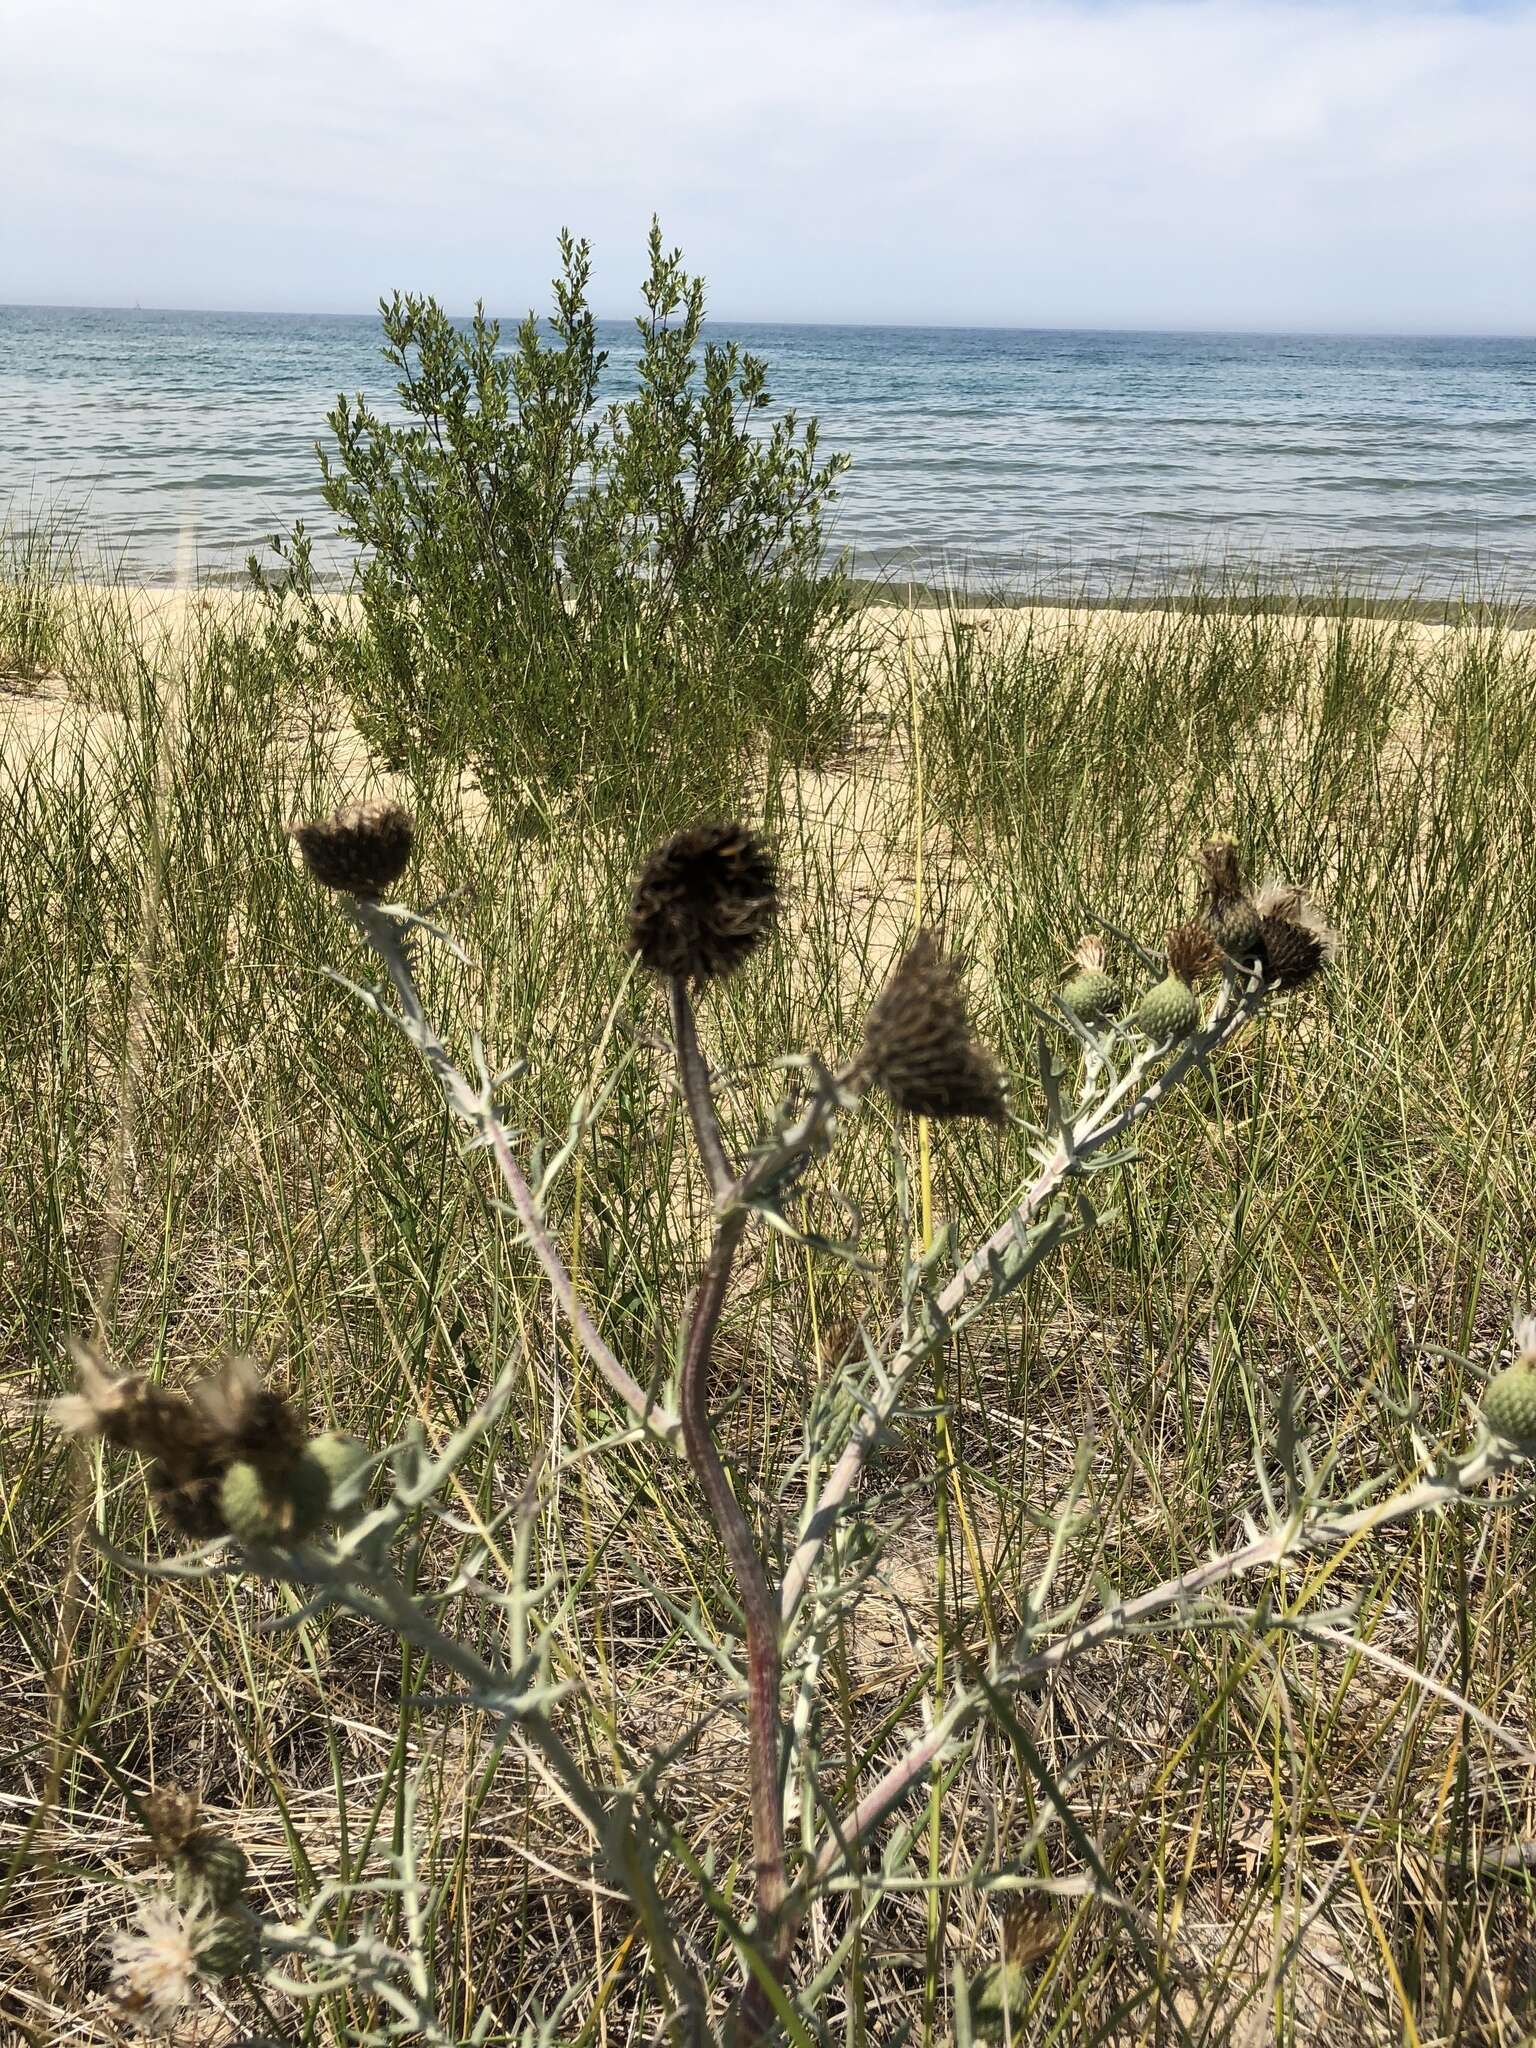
(1090, 994)
(262, 1506)
(1168, 1011)
(361, 849)
(918, 1045)
(210, 1866)
(1230, 915)
(703, 902)
(338, 1457)
(225, 1946)
(1509, 1399)
(999, 1995)
(1509, 1405)
(1296, 941)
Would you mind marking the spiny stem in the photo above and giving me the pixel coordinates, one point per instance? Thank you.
(1301, 1531)
(820, 1515)
(694, 1075)
(473, 1108)
(751, 1580)
(760, 1609)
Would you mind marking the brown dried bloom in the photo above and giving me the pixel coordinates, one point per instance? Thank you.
(1091, 955)
(918, 1045)
(171, 1816)
(134, 1413)
(703, 902)
(188, 1438)
(1297, 941)
(101, 1405)
(1192, 953)
(249, 1420)
(1230, 916)
(361, 849)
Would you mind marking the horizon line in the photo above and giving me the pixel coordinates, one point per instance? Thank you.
(1319, 333)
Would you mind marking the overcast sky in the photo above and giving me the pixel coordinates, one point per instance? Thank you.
(1163, 163)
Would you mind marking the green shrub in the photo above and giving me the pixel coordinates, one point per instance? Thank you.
(558, 589)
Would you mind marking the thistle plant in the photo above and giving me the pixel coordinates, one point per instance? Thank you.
(326, 1519)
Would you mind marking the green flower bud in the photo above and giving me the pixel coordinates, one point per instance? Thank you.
(212, 1866)
(251, 1512)
(338, 1457)
(1509, 1405)
(1091, 996)
(275, 1507)
(999, 1994)
(227, 1947)
(1168, 1011)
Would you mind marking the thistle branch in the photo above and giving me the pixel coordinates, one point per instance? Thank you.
(694, 1075)
(1317, 1527)
(474, 1107)
(1114, 1117)
(764, 1728)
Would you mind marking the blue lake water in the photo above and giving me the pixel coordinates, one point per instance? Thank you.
(1044, 460)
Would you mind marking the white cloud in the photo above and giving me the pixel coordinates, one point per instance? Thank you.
(1253, 162)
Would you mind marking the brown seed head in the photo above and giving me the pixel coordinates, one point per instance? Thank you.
(1091, 956)
(191, 1504)
(249, 1420)
(171, 1818)
(1192, 953)
(704, 902)
(1223, 870)
(188, 1439)
(1297, 941)
(362, 849)
(135, 1414)
(1292, 954)
(1229, 913)
(918, 1045)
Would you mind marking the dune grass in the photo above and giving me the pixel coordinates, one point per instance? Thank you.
(210, 1145)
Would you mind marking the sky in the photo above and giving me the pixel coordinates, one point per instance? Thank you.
(1279, 164)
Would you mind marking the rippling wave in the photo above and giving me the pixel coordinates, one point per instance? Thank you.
(989, 457)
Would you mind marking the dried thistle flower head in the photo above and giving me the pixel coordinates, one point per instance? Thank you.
(191, 1440)
(171, 1816)
(154, 1966)
(135, 1414)
(190, 1504)
(1192, 953)
(1296, 941)
(100, 1405)
(251, 1421)
(1230, 915)
(703, 902)
(1524, 1334)
(918, 1045)
(361, 849)
(1091, 954)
